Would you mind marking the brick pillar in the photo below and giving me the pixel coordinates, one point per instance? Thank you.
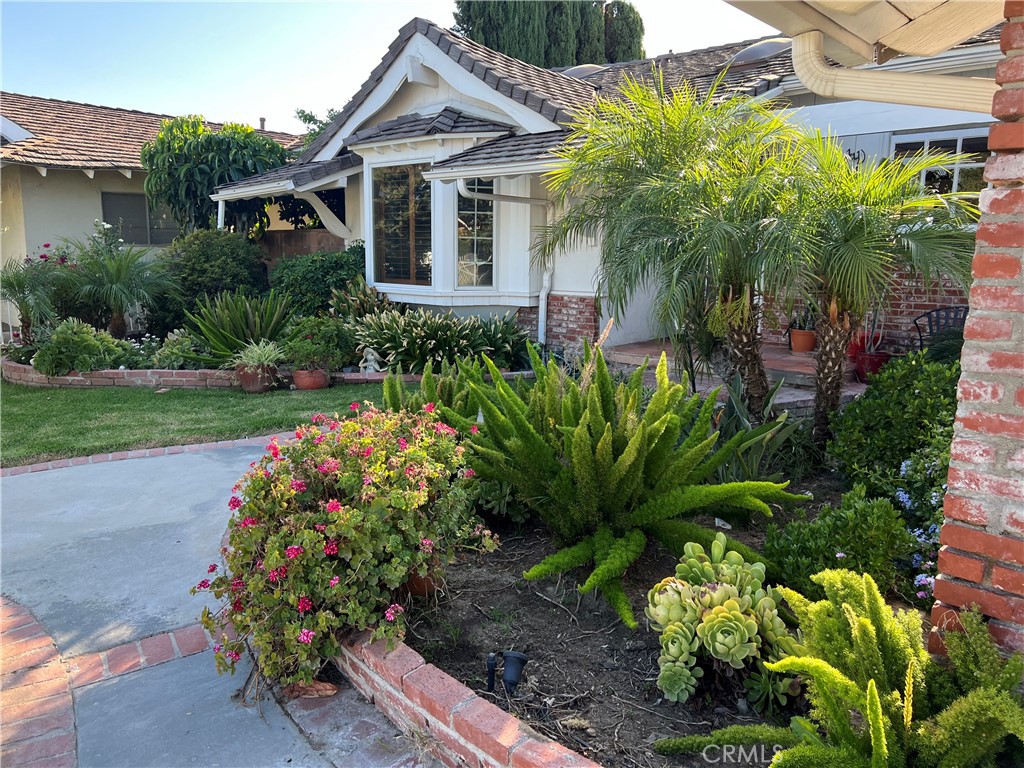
(981, 560)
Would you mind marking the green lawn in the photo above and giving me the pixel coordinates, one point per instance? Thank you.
(45, 424)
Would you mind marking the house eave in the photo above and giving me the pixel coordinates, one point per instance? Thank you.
(495, 170)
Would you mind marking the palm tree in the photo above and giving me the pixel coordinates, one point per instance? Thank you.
(29, 286)
(693, 197)
(866, 223)
(119, 278)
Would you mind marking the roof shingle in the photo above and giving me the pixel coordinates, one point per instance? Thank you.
(69, 134)
(447, 121)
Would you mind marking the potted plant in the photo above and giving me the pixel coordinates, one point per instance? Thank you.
(256, 365)
(318, 346)
(326, 529)
(801, 332)
(870, 358)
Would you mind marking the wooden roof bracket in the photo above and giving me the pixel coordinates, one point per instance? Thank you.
(922, 90)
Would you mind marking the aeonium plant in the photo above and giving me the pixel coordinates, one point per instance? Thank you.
(326, 528)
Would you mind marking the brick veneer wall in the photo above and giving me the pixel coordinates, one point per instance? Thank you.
(981, 560)
(461, 728)
(570, 320)
(16, 373)
(909, 299)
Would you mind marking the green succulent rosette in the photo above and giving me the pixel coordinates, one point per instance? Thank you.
(729, 634)
(671, 601)
(679, 643)
(678, 681)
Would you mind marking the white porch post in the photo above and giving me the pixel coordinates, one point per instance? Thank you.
(220, 214)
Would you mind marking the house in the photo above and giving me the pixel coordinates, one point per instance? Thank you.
(442, 153)
(64, 164)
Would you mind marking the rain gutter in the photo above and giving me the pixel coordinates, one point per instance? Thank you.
(921, 90)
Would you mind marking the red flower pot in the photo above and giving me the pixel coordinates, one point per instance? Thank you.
(801, 342)
(256, 381)
(870, 362)
(315, 379)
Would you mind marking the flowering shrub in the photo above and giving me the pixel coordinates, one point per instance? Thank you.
(328, 526)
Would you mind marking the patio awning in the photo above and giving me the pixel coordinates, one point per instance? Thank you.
(292, 179)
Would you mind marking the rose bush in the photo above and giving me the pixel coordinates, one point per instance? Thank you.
(327, 527)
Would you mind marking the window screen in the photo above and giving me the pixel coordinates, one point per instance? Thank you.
(401, 225)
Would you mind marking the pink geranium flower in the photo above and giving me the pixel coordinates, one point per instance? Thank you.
(212, 568)
(331, 547)
(354, 407)
(393, 611)
(334, 505)
(294, 551)
(306, 636)
(298, 486)
(305, 604)
(234, 503)
(429, 407)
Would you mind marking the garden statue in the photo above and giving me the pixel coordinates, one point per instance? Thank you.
(371, 362)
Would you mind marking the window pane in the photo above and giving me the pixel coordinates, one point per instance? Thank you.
(475, 227)
(162, 227)
(976, 145)
(401, 225)
(971, 179)
(944, 145)
(909, 148)
(129, 213)
(939, 180)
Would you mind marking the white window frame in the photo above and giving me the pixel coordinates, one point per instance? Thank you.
(434, 204)
(927, 137)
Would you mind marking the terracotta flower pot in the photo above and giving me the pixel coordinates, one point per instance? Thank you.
(421, 586)
(870, 362)
(801, 342)
(257, 380)
(314, 379)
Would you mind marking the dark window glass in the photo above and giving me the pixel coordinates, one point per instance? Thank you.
(139, 224)
(909, 148)
(476, 237)
(401, 225)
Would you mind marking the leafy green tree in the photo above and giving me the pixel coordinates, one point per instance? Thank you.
(623, 32)
(554, 34)
(314, 124)
(590, 33)
(864, 224)
(187, 161)
(691, 196)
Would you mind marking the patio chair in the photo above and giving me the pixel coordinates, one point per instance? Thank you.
(938, 321)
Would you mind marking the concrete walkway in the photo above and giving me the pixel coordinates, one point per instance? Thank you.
(102, 661)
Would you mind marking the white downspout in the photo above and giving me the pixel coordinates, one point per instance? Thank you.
(221, 204)
(942, 91)
(548, 276)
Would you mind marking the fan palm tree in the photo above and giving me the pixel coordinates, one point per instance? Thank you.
(692, 196)
(868, 222)
(119, 278)
(29, 286)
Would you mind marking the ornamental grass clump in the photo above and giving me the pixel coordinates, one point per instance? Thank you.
(326, 528)
(605, 468)
(717, 608)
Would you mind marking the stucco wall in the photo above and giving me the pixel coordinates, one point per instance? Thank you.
(12, 233)
(67, 203)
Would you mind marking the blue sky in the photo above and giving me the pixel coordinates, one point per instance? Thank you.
(245, 60)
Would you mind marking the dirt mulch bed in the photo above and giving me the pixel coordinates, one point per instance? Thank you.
(590, 681)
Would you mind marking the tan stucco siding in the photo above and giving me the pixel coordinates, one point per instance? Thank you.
(65, 204)
(12, 233)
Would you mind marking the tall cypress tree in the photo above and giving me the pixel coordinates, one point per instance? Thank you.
(554, 34)
(623, 32)
(590, 33)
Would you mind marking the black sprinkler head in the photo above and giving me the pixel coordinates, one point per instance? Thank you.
(492, 665)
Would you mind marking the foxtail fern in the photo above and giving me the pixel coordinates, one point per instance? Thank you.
(598, 465)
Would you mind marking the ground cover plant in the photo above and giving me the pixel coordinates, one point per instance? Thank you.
(36, 421)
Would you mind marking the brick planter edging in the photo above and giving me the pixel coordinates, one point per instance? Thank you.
(461, 727)
(205, 378)
(26, 375)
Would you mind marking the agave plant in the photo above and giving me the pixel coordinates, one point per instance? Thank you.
(230, 321)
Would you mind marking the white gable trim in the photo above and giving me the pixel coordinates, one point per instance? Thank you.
(430, 56)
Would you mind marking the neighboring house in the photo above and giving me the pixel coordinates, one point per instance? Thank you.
(64, 164)
(442, 153)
